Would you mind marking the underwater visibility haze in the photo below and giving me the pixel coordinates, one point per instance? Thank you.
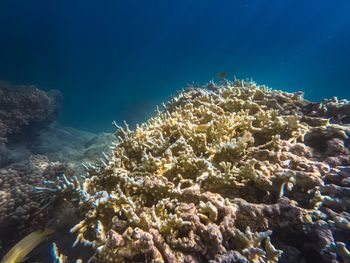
(175, 131)
(119, 59)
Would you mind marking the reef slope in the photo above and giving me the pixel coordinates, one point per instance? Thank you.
(225, 173)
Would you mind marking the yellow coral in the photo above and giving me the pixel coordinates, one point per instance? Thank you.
(172, 189)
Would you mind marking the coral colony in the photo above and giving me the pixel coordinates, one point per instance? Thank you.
(23, 108)
(230, 172)
(224, 173)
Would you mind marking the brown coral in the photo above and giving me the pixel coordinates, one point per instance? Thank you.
(221, 174)
(20, 205)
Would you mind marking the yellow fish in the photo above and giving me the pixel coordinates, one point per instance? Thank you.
(25, 246)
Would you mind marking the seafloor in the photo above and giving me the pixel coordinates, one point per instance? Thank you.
(229, 172)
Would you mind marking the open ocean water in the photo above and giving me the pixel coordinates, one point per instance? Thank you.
(116, 60)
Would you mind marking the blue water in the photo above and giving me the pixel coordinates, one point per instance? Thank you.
(116, 60)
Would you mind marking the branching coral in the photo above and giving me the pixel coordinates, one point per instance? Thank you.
(223, 173)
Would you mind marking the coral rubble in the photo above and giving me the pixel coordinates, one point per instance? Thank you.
(226, 173)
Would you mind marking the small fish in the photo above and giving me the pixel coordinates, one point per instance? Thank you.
(202, 128)
(19, 252)
(222, 75)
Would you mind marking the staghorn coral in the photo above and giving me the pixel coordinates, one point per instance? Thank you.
(225, 173)
(338, 111)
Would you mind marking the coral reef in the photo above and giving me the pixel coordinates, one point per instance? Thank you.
(23, 108)
(225, 173)
(338, 111)
(21, 208)
(33, 148)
